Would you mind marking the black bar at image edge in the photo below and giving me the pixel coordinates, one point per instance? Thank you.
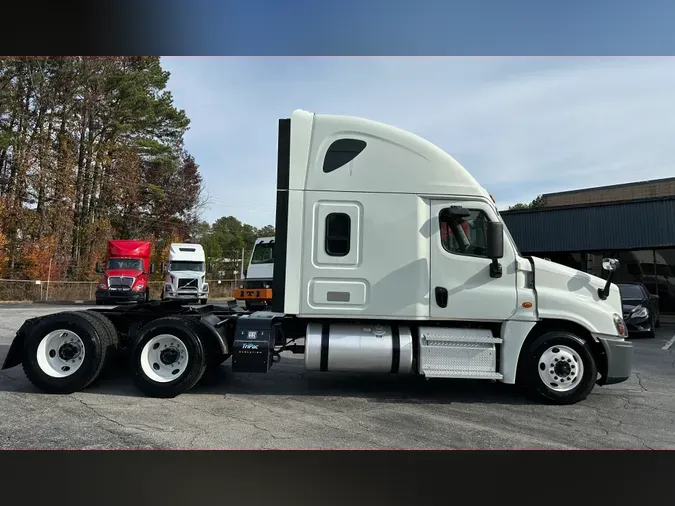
(339, 477)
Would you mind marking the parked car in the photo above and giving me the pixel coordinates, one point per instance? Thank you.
(640, 309)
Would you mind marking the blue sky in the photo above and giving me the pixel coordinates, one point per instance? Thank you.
(522, 126)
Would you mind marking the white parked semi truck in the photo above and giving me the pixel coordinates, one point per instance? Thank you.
(185, 274)
(256, 289)
(389, 258)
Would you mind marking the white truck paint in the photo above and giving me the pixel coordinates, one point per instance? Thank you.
(393, 191)
(186, 273)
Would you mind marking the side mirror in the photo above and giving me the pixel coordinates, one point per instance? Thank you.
(209, 269)
(163, 267)
(245, 271)
(495, 240)
(152, 268)
(653, 296)
(98, 268)
(495, 247)
(610, 264)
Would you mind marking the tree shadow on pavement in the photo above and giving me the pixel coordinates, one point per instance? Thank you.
(288, 378)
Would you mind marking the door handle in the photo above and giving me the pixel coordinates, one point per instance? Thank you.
(441, 296)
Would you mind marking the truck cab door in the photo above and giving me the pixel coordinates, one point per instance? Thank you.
(462, 285)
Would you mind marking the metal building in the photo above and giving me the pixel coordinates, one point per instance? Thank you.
(633, 222)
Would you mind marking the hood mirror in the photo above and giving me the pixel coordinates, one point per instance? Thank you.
(610, 264)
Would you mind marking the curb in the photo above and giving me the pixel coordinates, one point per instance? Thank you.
(65, 302)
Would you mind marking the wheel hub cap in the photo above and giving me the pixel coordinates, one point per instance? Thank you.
(561, 368)
(60, 353)
(68, 351)
(168, 356)
(164, 358)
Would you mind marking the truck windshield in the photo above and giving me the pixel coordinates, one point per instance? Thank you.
(125, 263)
(263, 254)
(183, 265)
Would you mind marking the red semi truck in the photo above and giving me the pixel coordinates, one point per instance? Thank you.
(125, 277)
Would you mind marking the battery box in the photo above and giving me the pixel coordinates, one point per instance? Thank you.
(253, 346)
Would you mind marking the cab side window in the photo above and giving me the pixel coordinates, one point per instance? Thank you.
(464, 236)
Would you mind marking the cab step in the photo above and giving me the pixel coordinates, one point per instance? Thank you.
(458, 353)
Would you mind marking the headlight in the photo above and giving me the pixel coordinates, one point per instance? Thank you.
(103, 286)
(620, 325)
(640, 312)
(139, 287)
(168, 288)
(267, 286)
(205, 287)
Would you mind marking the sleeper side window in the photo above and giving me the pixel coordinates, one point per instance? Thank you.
(464, 236)
(341, 152)
(338, 234)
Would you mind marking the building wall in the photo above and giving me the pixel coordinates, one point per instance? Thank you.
(641, 234)
(620, 226)
(658, 188)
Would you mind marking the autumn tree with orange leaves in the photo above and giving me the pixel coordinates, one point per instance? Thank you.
(91, 149)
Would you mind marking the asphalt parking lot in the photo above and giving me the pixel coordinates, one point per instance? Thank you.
(288, 408)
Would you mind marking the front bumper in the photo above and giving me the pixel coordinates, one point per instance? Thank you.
(186, 295)
(253, 294)
(120, 296)
(619, 356)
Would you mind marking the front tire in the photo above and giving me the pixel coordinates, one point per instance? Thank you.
(66, 352)
(559, 368)
(168, 357)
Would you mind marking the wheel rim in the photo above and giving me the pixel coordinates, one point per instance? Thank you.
(60, 353)
(560, 368)
(164, 358)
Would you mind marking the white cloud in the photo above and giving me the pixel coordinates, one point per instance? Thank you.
(521, 126)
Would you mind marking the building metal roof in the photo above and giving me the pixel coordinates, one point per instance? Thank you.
(636, 224)
(599, 189)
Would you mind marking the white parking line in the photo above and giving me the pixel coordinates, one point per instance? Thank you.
(669, 343)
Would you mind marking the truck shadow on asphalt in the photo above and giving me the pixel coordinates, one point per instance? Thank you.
(289, 379)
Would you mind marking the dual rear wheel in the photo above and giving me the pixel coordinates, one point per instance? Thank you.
(66, 352)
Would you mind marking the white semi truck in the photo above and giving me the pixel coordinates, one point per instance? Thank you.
(256, 289)
(389, 257)
(185, 274)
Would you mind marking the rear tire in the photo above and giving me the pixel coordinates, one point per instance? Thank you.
(569, 370)
(113, 337)
(168, 357)
(65, 352)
